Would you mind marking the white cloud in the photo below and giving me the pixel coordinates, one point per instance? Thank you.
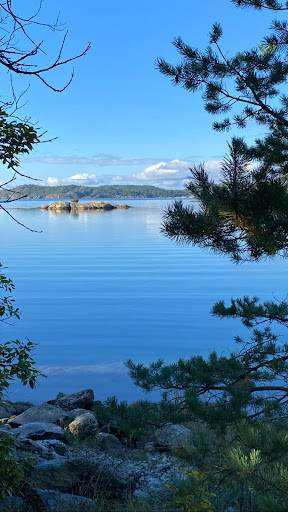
(213, 166)
(76, 179)
(102, 369)
(51, 180)
(170, 174)
(163, 169)
(83, 178)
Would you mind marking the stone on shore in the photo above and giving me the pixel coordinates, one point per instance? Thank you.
(109, 443)
(44, 449)
(171, 437)
(52, 501)
(48, 501)
(39, 431)
(8, 409)
(85, 469)
(13, 504)
(89, 460)
(71, 416)
(46, 413)
(82, 400)
(84, 426)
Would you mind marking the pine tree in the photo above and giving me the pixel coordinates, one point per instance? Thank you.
(244, 215)
(239, 401)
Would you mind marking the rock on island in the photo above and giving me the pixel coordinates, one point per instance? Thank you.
(75, 206)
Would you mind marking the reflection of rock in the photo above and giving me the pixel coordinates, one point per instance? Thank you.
(75, 206)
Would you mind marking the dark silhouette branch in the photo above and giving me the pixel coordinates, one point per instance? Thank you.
(20, 52)
(18, 221)
(262, 4)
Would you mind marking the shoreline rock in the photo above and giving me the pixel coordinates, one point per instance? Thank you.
(71, 453)
(81, 400)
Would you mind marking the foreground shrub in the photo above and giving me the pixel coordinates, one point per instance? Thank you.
(133, 422)
(16, 362)
(12, 472)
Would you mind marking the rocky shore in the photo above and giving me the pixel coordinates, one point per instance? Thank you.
(75, 458)
(76, 207)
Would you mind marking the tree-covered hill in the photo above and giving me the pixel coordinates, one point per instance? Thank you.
(81, 192)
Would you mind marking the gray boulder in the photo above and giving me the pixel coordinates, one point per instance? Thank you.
(52, 501)
(39, 431)
(70, 416)
(57, 475)
(171, 437)
(84, 426)
(39, 413)
(85, 470)
(91, 470)
(108, 442)
(44, 449)
(130, 471)
(6, 410)
(156, 474)
(83, 399)
(11, 409)
(13, 504)
(20, 407)
(48, 501)
(5, 429)
(59, 447)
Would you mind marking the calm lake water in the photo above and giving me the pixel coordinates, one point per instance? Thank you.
(99, 288)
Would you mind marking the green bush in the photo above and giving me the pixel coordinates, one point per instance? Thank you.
(15, 356)
(133, 422)
(12, 471)
(15, 362)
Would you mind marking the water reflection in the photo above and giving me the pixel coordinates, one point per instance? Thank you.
(97, 289)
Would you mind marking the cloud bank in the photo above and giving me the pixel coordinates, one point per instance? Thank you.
(166, 174)
(99, 160)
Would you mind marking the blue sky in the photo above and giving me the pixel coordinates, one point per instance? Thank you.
(120, 116)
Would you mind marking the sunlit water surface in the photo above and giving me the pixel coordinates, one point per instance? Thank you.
(99, 288)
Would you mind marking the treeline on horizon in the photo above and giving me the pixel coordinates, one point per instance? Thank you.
(76, 192)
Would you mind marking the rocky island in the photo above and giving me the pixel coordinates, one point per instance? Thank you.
(75, 206)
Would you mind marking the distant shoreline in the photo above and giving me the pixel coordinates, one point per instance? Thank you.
(78, 192)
